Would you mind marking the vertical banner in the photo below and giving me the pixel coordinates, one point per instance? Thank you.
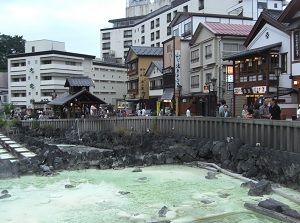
(296, 45)
(177, 67)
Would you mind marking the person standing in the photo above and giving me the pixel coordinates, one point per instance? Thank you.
(221, 108)
(188, 112)
(264, 111)
(274, 109)
(256, 111)
(225, 113)
(245, 111)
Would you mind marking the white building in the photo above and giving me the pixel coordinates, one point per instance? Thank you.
(38, 75)
(110, 81)
(3, 88)
(141, 29)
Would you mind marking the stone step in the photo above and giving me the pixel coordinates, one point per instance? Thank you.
(3, 150)
(6, 156)
(28, 154)
(21, 150)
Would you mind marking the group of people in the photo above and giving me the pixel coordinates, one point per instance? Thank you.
(268, 110)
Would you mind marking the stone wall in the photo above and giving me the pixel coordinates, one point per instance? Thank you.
(122, 149)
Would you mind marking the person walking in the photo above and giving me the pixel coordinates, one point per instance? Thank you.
(188, 112)
(274, 110)
(264, 111)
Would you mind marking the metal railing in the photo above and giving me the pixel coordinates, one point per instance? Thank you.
(276, 134)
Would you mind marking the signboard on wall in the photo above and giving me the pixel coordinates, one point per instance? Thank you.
(296, 45)
(177, 67)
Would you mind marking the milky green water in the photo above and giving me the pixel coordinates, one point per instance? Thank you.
(96, 197)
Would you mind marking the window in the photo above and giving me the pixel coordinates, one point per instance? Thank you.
(128, 43)
(174, 13)
(157, 22)
(105, 46)
(275, 6)
(195, 56)
(70, 63)
(252, 78)
(152, 36)
(185, 8)
(169, 17)
(176, 32)
(29, 78)
(157, 44)
(208, 77)
(46, 61)
(243, 79)
(283, 62)
(143, 40)
(125, 54)
(195, 81)
(157, 34)
(33, 49)
(152, 24)
(127, 33)
(143, 29)
(232, 48)
(261, 5)
(187, 29)
(105, 36)
(36, 77)
(208, 52)
(169, 31)
(201, 4)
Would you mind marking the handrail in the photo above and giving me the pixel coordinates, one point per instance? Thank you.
(276, 134)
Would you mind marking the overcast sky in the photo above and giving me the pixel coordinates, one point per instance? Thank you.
(75, 22)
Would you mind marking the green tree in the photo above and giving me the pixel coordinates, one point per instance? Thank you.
(10, 45)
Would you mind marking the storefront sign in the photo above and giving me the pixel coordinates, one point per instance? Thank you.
(177, 67)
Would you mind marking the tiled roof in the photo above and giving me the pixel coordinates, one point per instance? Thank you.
(147, 51)
(273, 14)
(79, 82)
(228, 29)
(159, 65)
(67, 97)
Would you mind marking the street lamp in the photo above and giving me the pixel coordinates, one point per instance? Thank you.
(179, 88)
(213, 83)
(277, 73)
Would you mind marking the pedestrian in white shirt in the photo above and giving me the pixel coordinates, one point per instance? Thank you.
(188, 112)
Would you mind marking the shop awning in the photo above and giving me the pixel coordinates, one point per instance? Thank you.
(281, 92)
(168, 94)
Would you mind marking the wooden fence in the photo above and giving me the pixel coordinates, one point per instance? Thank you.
(280, 135)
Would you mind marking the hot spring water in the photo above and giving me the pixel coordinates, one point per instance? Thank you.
(123, 196)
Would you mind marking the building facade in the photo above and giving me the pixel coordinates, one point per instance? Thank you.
(141, 29)
(38, 75)
(3, 88)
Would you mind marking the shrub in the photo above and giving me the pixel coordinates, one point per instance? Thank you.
(35, 124)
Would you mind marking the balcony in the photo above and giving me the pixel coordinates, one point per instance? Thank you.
(60, 67)
(18, 84)
(16, 69)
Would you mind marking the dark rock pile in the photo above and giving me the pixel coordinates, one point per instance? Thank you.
(122, 149)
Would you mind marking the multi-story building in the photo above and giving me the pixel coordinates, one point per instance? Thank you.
(291, 15)
(38, 75)
(138, 61)
(109, 80)
(210, 43)
(264, 69)
(3, 88)
(142, 29)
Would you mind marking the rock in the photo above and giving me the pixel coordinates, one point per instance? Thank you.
(249, 184)
(261, 188)
(123, 192)
(163, 211)
(69, 186)
(5, 196)
(224, 195)
(211, 175)
(137, 169)
(4, 192)
(206, 201)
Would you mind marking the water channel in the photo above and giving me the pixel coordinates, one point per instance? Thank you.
(101, 196)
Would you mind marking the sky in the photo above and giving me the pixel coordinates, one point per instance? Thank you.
(75, 22)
